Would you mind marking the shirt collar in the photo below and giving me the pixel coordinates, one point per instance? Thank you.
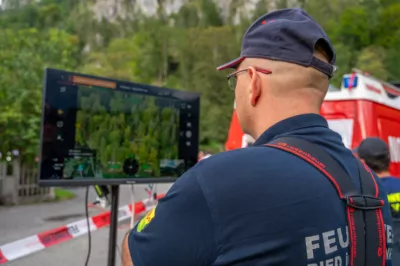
(291, 124)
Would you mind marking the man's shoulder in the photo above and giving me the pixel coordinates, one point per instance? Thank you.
(254, 162)
(239, 157)
(241, 153)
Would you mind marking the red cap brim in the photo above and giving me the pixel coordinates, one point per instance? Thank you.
(232, 64)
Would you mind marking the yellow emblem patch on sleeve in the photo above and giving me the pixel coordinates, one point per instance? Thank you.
(146, 220)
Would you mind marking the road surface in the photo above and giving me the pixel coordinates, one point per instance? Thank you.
(74, 251)
(22, 221)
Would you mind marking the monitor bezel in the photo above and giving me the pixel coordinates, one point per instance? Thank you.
(177, 94)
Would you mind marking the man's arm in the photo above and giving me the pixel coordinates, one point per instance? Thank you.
(126, 254)
(179, 231)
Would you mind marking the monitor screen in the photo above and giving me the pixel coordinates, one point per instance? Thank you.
(103, 131)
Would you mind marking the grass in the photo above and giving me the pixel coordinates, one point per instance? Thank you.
(63, 194)
(59, 195)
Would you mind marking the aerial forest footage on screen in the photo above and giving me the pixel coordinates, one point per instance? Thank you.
(119, 126)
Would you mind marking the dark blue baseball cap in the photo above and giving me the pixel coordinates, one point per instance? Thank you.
(288, 35)
(372, 147)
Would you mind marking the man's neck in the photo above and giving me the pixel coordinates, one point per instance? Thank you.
(383, 174)
(269, 121)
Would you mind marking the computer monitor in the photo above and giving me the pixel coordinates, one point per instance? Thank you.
(98, 130)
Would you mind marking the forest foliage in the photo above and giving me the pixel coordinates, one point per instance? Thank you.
(178, 50)
(142, 131)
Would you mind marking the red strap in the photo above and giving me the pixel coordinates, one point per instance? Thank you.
(365, 219)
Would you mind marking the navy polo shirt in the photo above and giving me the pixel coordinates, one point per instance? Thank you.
(392, 187)
(254, 206)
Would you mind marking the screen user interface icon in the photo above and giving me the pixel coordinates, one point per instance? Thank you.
(103, 131)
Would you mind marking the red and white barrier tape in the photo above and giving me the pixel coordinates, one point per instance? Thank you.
(35, 243)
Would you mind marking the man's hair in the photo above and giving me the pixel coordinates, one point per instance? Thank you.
(378, 164)
(321, 53)
(319, 80)
(293, 80)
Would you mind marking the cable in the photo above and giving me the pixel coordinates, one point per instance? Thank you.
(133, 206)
(88, 226)
(119, 251)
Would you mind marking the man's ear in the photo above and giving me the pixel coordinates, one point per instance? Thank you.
(254, 86)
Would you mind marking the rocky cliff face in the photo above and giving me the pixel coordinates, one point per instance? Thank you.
(110, 9)
(4, 4)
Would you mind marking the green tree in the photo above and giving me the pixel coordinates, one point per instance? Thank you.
(23, 54)
(178, 50)
(343, 61)
(386, 31)
(354, 29)
(210, 15)
(370, 60)
(187, 16)
(261, 9)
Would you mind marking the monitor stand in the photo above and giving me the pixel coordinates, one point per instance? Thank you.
(113, 236)
(112, 244)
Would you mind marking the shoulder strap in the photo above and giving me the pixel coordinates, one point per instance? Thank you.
(364, 213)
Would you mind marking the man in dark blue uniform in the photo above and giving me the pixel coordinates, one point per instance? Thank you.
(262, 205)
(375, 153)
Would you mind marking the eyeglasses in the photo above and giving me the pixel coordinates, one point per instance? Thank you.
(232, 78)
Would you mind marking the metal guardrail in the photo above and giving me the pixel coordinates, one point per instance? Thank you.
(18, 184)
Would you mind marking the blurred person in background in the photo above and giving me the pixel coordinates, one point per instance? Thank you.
(375, 153)
(200, 155)
(204, 155)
